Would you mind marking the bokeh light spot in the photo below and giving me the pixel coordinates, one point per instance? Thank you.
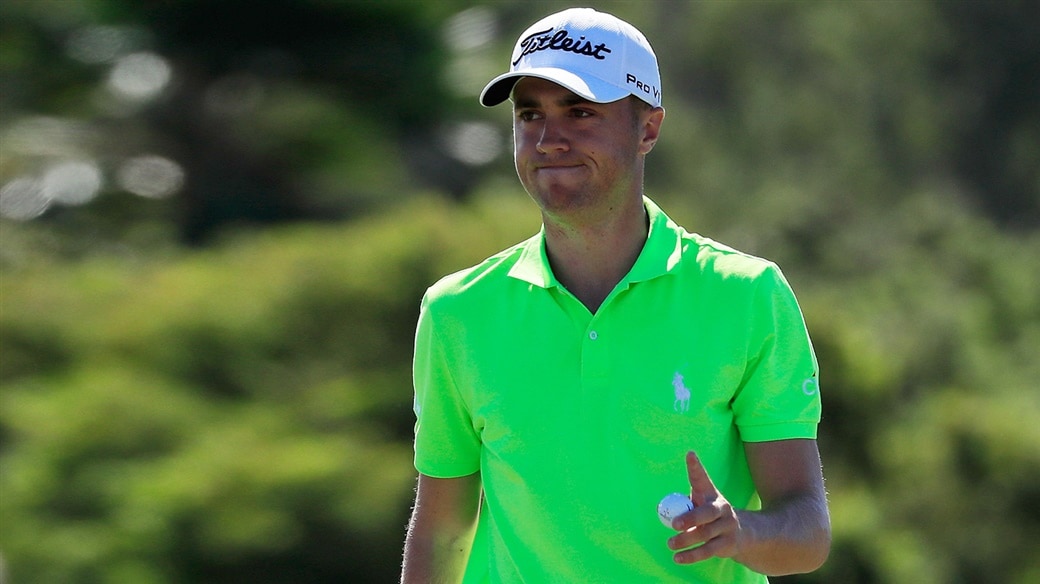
(23, 199)
(47, 136)
(72, 183)
(150, 176)
(99, 44)
(140, 76)
(474, 143)
(470, 29)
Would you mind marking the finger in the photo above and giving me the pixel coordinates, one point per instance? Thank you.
(701, 515)
(702, 528)
(701, 488)
(712, 549)
(687, 539)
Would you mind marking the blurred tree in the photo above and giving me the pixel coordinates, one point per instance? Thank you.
(995, 71)
(383, 60)
(277, 112)
(230, 417)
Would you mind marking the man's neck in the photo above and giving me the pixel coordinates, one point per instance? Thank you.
(590, 259)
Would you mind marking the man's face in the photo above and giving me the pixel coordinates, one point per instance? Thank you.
(576, 155)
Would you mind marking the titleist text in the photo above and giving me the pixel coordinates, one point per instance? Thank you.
(560, 41)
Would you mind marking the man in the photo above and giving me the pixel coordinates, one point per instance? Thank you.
(563, 386)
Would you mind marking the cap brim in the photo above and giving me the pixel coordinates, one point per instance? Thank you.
(590, 88)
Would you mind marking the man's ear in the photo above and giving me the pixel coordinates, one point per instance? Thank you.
(651, 127)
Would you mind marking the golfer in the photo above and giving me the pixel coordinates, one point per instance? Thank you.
(565, 385)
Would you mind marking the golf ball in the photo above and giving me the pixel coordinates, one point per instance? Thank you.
(672, 506)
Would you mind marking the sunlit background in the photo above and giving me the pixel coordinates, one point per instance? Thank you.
(217, 220)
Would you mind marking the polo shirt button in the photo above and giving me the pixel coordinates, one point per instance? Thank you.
(593, 335)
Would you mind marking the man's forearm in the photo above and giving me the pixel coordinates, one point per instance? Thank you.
(440, 533)
(430, 558)
(792, 537)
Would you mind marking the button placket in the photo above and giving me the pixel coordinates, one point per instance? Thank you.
(595, 361)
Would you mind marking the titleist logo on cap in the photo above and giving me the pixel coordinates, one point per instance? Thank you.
(595, 55)
(560, 41)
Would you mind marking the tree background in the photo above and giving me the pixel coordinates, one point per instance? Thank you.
(217, 220)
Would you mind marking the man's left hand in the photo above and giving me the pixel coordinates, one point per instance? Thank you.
(713, 522)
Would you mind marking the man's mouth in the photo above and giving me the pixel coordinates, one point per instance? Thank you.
(559, 166)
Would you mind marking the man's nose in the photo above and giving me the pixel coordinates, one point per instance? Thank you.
(553, 138)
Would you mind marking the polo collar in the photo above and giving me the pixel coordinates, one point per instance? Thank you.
(660, 254)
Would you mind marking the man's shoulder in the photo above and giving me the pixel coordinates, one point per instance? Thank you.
(721, 260)
(485, 277)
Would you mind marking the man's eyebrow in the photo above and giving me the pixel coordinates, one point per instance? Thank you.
(524, 103)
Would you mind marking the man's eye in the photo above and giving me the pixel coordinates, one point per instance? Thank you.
(527, 115)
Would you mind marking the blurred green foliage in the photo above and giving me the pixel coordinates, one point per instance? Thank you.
(238, 415)
(211, 384)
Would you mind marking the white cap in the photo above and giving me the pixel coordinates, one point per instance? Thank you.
(596, 55)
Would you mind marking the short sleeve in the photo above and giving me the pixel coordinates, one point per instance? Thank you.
(779, 396)
(446, 444)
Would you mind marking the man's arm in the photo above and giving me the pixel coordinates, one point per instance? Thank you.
(791, 534)
(440, 532)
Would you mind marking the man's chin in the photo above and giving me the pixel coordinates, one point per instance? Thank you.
(562, 200)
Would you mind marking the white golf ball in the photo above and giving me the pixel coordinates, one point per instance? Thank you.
(672, 506)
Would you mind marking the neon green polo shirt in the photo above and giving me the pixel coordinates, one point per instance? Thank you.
(579, 423)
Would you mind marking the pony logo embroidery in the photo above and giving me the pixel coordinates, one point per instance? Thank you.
(682, 394)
